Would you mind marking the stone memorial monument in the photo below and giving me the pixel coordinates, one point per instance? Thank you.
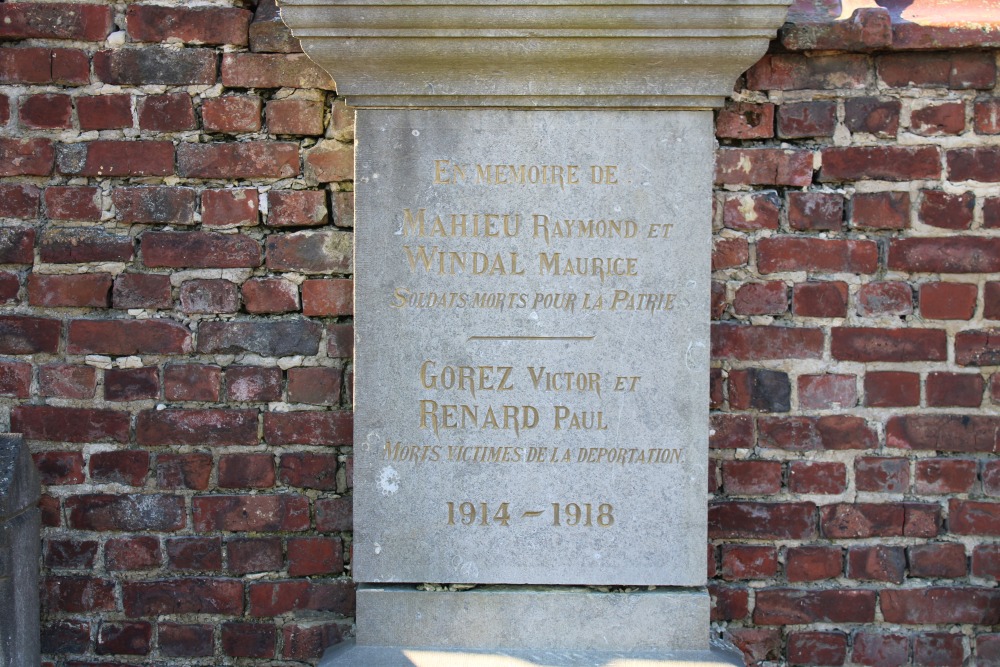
(533, 238)
(20, 527)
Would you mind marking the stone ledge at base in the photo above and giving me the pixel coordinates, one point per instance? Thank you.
(349, 654)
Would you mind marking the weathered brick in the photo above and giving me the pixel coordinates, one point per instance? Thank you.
(763, 166)
(150, 23)
(104, 112)
(334, 515)
(945, 560)
(329, 162)
(15, 379)
(10, 285)
(18, 200)
(938, 119)
(77, 594)
(37, 65)
(130, 638)
(832, 432)
(866, 29)
(886, 389)
(16, 244)
(817, 477)
(750, 211)
(274, 598)
(792, 253)
(249, 640)
(254, 554)
(117, 158)
(270, 295)
(954, 70)
(183, 471)
(237, 207)
(309, 556)
(816, 211)
(326, 298)
(295, 116)
(951, 433)
(820, 299)
(974, 164)
(231, 114)
(765, 342)
(873, 344)
(813, 563)
(173, 112)
(73, 202)
(260, 513)
(67, 381)
(46, 111)
(885, 163)
(308, 640)
(872, 115)
(308, 470)
(308, 428)
(882, 474)
(28, 335)
(26, 157)
(977, 348)
(770, 298)
(254, 70)
(268, 34)
(59, 468)
(845, 520)
(131, 384)
(807, 119)
(762, 521)
(128, 467)
(141, 290)
(57, 20)
(156, 65)
(80, 246)
(789, 606)
(728, 253)
(91, 290)
(797, 72)
(253, 383)
(194, 553)
(880, 210)
(316, 385)
(817, 648)
(745, 120)
(131, 512)
(192, 382)
(941, 604)
(125, 337)
(209, 295)
(215, 427)
(246, 471)
(182, 596)
(297, 208)
(729, 431)
(948, 301)
(259, 159)
(59, 424)
(939, 476)
(266, 338)
(65, 636)
(751, 478)
(820, 392)
(311, 252)
(199, 250)
(132, 553)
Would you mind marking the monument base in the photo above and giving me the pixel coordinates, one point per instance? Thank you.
(506, 626)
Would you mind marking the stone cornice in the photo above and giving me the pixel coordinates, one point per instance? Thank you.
(535, 53)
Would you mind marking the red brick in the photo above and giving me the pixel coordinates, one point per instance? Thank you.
(253, 70)
(325, 298)
(199, 250)
(254, 554)
(948, 211)
(729, 253)
(16, 244)
(249, 640)
(128, 467)
(748, 562)
(813, 563)
(955, 433)
(986, 116)
(297, 208)
(59, 468)
(716, 392)
(765, 342)
(770, 298)
(988, 648)
(268, 34)
(885, 298)
(950, 70)
(77, 594)
(131, 384)
(26, 157)
(948, 301)
(10, 285)
(763, 166)
(991, 478)
(789, 606)
(253, 383)
(862, 520)
(156, 65)
(308, 640)
(976, 348)
(757, 644)
(47, 111)
(308, 428)
(69, 291)
(73, 203)
(991, 300)
(261, 513)
(343, 207)
(270, 295)
(294, 116)
(316, 385)
(231, 114)
(876, 563)
(941, 605)
(880, 210)
(280, 338)
(311, 252)
(817, 648)
(69, 553)
(731, 431)
(986, 561)
(750, 211)
(249, 471)
(237, 207)
(183, 471)
(751, 478)
(59, 424)
(275, 598)
(104, 112)
(132, 553)
(67, 381)
(871, 344)
(938, 648)
(130, 512)
(57, 20)
(334, 515)
(798, 72)
(51, 513)
(807, 119)
(945, 560)
(789, 253)
(940, 476)
(117, 158)
(967, 517)
(125, 337)
(209, 295)
(307, 470)
(142, 290)
(821, 392)
(945, 255)
(884, 163)
(78, 246)
(309, 556)
(172, 112)
(41, 65)
(872, 115)
(194, 553)
(744, 120)
(938, 119)
(28, 335)
(130, 638)
(192, 382)
(866, 29)
(762, 521)
(18, 200)
(820, 299)
(886, 389)
(329, 162)
(340, 341)
(150, 23)
(820, 211)
(833, 432)
(760, 389)
(15, 379)
(259, 159)
(974, 164)
(882, 475)
(817, 477)
(4, 109)
(196, 427)
(182, 596)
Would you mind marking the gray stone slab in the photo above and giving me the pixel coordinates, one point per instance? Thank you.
(532, 327)
(19, 484)
(540, 620)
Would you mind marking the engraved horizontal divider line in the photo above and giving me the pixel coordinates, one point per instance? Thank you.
(554, 33)
(576, 4)
(554, 338)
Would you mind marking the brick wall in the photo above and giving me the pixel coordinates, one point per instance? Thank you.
(175, 341)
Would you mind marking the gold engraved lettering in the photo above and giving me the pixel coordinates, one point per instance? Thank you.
(626, 382)
(413, 453)
(625, 300)
(659, 231)
(566, 381)
(557, 229)
(461, 225)
(584, 420)
(466, 378)
(556, 264)
(607, 174)
(432, 259)
(437, 416)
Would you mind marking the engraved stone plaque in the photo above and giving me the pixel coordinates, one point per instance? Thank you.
(532, 293)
